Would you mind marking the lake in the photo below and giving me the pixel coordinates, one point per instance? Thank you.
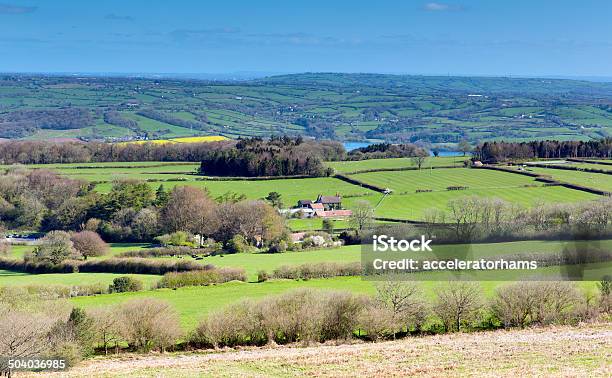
(349, 146)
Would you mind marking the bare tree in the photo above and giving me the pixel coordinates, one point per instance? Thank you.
(404, 299)
(23, 334)
(107, 326)
(419, 160)
(189, 209)
(464, 146)
(457, 303)
(363, 215)
(149, 323)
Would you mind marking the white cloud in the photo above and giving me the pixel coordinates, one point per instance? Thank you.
(441, 7)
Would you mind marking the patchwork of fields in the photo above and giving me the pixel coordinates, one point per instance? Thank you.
(413, 191)
(351, 106)
(193, 303)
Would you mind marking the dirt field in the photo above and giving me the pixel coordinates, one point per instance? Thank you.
(555, 351)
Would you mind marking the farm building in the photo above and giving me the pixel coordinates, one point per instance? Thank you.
(322, 207)
(329, 202)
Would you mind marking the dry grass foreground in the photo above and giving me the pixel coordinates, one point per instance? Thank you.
(553, 351)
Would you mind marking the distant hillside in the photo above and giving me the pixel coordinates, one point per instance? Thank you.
(436, 109)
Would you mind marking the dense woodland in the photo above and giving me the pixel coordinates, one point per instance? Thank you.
(492, 152)
(276, 157)
(255, 149)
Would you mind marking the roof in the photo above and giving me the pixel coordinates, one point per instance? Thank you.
(333, 213)
(316, 206)
(304, 202)
(297, 236)
(328, 199)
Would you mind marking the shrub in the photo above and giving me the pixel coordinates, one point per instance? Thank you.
(237, 244)
(106, 326)
(605, 291)
(301, 315)
(65, 291)
(524, 303)
(457, 303)
(317, 270)
(202, 277)
(89, 244)
(278, 247)
(54, 248)
(149, 323)
(125, 284)
(178, 238)
(236, 324)
(114, 265)
(5, 248)
(159, 252)
(139, 266)
(378, 322)
(262, 276)
(405, 301)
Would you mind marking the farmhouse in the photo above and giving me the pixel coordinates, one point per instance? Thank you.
(329, 202)
(322, 207)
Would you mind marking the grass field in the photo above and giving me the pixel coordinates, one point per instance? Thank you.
(69, 279)
(441, 178)
(291, 190)
(592, 180)
(18, 251)
(310, 224)
(581, 351)
(590, 166)
(392, 163)
(194, 302)
(412, 206)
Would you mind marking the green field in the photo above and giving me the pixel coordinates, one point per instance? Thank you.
(441, 178)
(592, 180)
(393, 163)
(291, 190)
(8, 278)
(412, 206)
(193, 303)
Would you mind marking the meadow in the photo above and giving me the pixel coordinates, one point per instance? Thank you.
(394, 163)
(193, 303)
(599, 181)
(440, 179)
(413, 206)
(291, 190)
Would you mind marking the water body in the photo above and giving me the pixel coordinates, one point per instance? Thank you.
(448, 153)
(349, 146)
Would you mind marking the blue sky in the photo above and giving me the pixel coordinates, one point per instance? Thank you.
(494, 37)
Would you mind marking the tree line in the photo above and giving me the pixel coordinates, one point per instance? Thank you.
(283, 148)
(41, 200)
(278, 156)
(493, 152)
